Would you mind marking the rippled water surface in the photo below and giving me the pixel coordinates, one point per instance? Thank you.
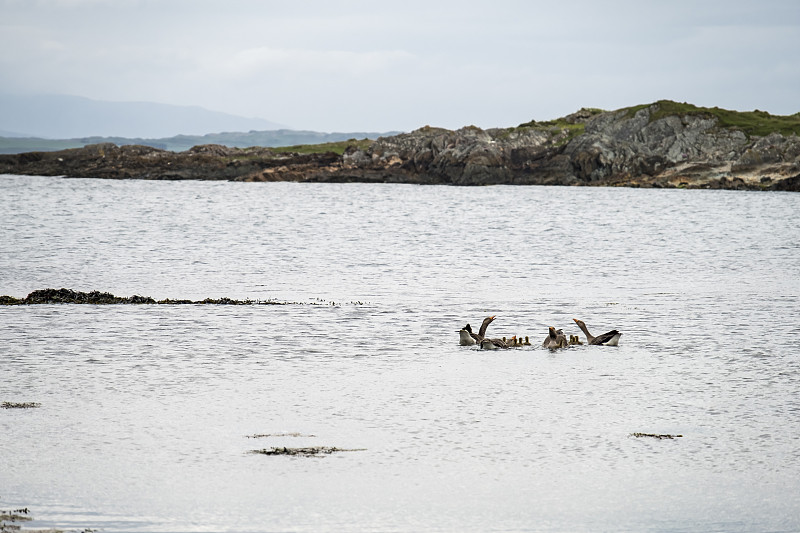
(148, 412)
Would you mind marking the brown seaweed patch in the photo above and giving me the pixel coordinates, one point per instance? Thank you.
(656, 435)
(10, 519)
(310, 451)
(69, 296)
(267, 435)
(55, 296)
(16, 515)
(20, 405)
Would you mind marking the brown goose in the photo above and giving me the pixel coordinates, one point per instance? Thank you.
(468, 338)
(465, 336)
(606, 339)
(493, 344)
(555, 339)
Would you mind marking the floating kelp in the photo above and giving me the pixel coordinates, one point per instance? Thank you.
(17, 515)
(9, 521)
(309, 451)
(267, 435)
(22, 405)
(655, 435)
(69, 296)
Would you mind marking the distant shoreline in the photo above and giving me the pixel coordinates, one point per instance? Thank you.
(661, 145)
(180, 143)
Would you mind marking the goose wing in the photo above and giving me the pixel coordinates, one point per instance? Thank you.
(605, 337)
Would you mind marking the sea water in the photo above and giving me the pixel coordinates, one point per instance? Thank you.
(149, 414)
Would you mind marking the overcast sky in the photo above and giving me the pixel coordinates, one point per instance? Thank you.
(399, 65)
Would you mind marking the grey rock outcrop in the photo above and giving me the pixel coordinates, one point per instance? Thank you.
(469, 156)
(691, 149)
(615, 148)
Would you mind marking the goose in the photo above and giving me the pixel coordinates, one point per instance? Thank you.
(466, 333)
(465, 336)
(555, 339)
(485, 324)
(606, 339)
(574, 339)
(493, 344)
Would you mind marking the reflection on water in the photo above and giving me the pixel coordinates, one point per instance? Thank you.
(147, 411)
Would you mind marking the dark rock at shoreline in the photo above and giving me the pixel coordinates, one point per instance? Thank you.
(663, 145)
(205, 162)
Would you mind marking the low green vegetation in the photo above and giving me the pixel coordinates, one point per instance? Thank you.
(562, 128)
(561, 123)
(337, 147)
(756, 122)
(557, 124)
(567, 130)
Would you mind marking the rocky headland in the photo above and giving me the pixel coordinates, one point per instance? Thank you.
(665, 144)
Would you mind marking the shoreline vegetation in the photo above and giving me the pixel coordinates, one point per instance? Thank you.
(665, 144)
(69, 296)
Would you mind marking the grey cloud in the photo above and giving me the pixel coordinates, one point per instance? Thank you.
(377, 66)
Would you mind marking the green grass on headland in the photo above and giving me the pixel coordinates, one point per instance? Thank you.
(560, 123)
(756, 122)
(336, 147)
(559, 129)
(562, 129)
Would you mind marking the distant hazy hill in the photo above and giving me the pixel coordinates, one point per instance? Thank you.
(70, 117)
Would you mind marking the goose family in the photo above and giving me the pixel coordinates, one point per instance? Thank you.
(555, 337)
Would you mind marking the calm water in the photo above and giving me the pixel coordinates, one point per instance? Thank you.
(148, 411)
